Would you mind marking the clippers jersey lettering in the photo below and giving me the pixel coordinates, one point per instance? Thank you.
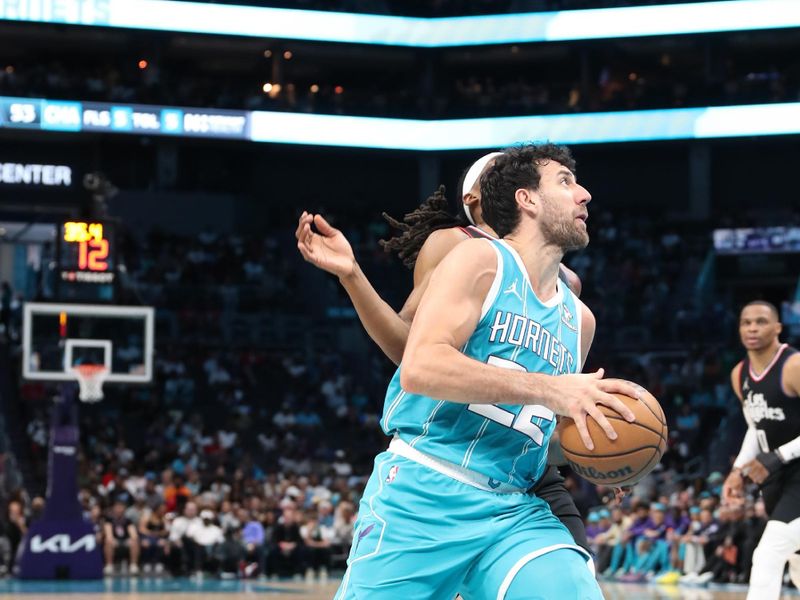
(506, 443)
(775, 416)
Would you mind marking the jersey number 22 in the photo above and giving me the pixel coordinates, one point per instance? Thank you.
(522, 422)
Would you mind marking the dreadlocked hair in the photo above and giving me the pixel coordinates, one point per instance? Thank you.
(416, 226)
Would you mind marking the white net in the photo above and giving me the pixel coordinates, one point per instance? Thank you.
(90, 378)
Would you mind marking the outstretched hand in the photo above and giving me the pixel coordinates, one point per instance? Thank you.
(327, 248)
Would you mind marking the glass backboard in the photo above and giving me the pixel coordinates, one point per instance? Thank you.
(56, 337)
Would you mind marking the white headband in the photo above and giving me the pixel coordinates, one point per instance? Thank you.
(472, 176)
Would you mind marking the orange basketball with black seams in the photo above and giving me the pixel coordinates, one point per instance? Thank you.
(626, 460)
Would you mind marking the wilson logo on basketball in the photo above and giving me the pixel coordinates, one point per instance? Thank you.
(591, 472)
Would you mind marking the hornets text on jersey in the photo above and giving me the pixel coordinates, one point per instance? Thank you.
(505, 443)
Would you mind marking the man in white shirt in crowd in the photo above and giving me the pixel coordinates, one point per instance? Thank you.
(208, 536)
(183, 550)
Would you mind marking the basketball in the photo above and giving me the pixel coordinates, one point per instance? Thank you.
(626, 460)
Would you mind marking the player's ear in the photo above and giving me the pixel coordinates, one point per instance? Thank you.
(527, 201)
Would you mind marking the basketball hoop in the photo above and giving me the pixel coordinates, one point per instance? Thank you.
(91, 378)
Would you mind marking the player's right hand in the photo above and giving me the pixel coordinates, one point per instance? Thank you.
(577, 396)
(329, 249)
(733, 489)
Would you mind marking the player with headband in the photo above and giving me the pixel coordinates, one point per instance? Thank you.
(429, 233)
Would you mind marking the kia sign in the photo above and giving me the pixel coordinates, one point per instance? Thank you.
(61, 543)
(61, 550)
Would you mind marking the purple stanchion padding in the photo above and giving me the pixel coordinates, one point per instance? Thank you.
(62, 544)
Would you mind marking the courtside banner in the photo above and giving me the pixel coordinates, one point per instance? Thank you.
(281, 23)
(401, 134)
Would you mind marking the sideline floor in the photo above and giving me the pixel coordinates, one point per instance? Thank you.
(212, 589)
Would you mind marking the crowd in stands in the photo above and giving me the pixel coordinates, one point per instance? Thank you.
(248, 460)
(676, 531)
(173, 524)
(610, 82)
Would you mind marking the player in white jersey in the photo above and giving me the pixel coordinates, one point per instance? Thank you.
(429, 526)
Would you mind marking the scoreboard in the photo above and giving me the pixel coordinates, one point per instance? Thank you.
(86, 261)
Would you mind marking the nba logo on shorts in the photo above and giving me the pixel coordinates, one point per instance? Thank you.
(392, 474)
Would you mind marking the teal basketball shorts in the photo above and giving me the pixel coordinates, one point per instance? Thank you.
(424, 535)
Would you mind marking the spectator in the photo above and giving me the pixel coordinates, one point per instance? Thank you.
(182, 547)
(344, 518)
(120, 537)
(755, 521)
(154, 538)
(231, 554)
(317, 540)
(253, 543)
(16, 525)
(652, 550)
(137, 510)
(152, 498)
(219, 488)
(723, 558)
(324, 513)
(623, 557)
(228, 520)
(208, 538)
(692, 542)
(704, 537)
(176, 492)
(608, 539)
(287, 553)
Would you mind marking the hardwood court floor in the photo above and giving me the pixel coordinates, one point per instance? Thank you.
(211, 589)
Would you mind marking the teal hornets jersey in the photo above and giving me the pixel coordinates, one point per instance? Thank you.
(506, 443)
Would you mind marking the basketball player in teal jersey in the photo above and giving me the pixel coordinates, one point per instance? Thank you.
(428, 234)
(493, 355)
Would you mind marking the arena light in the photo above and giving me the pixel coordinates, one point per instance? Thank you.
(466, 134)
(279, 23)
(401, 134)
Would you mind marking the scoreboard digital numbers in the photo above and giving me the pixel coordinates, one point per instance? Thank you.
(86, 253)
